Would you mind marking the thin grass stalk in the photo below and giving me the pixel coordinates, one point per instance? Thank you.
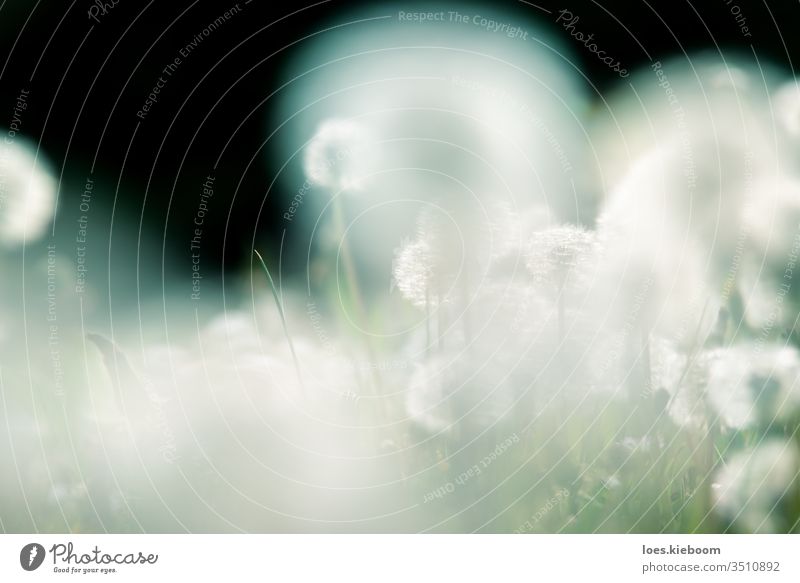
(282, 313)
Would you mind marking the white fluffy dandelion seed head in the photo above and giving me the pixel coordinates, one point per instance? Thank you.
(754, 483)
(433, 262)
(728, 387)
(556, 254)
(676, 212)
(767, 305)
(653, 259)
(771, 219)
(27, 194)
(339, 156)
(430, 269)
(786, 103)
(754, 380)
(734, 385)
(685, 378)
(413, 271)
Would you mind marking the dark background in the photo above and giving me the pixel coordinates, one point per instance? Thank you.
(87, 80)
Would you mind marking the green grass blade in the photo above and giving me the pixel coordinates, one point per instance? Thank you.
(283, 317)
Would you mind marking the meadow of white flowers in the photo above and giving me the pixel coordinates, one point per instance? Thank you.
(489, 338)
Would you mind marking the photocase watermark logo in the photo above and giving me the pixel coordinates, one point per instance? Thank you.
(31, 556)
(67, 559)
(100, 9)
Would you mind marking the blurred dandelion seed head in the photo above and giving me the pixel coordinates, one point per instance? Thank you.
(27, 193)
(558, 255)
(413, 273)
(787, 108)
(339, 156)
(757, 484)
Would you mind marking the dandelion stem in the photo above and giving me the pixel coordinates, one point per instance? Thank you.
(282, 313)
(349, 265)
(354, 289)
